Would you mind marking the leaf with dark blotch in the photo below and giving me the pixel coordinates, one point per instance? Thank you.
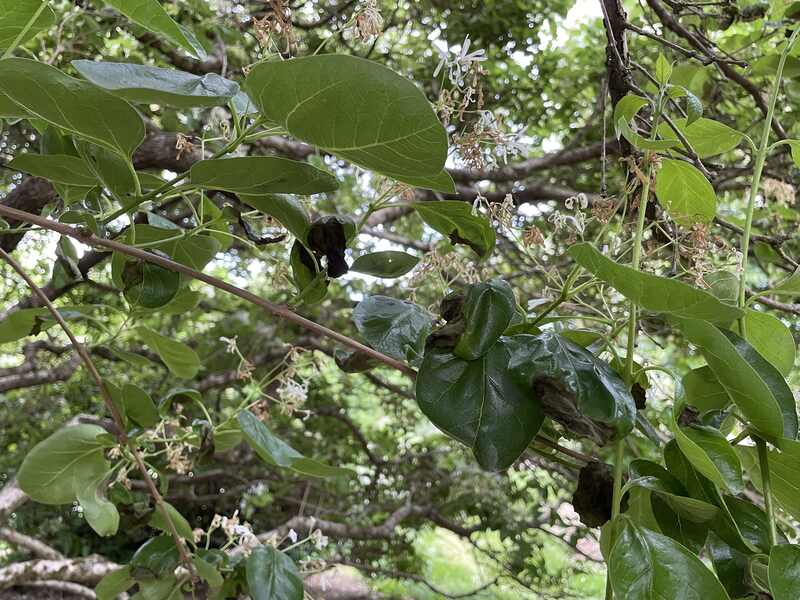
(326, 237)
(148, 285)
(592, 499)
(487, 311)
(573, 386)
(479, 403)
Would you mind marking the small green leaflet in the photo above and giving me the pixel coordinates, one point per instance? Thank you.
(114, 583)
(154, 85)
(157, 521)
(274, 451)
(626, 109)
(685, 193)
(180, 359)
(641, 142)
(387, 264)
(354, 108)
(656, 294)
(256, 175)
(454, 220)
(663, 69)
(46, 93)
(151, 15)
(706, 136)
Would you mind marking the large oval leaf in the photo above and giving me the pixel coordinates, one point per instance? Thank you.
(479, 403)
(15, 15)
(784, 572)
(572, 385)
(50, 471)
(180, 359)
(256, 175)
(454, 220)
(685, 193)
(712, 455)
(272, 575)
(706, 136)
(771, 338)
(654, 293)
(154, 85)
(754, 385)
(46, 93)
(395, 327)
(645, 565)
(354, 108)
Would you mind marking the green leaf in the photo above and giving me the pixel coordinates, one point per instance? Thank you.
(487, 311)
(785, 477)
(148, 285)
(754, 385)
(395, 327)
(208, 572)
(312, 285)
(180, 359)
(771, 339)
(69, 170)
(15, 16)
(663, 69)
(784, 572)
(694, 108)
(48, 94)
(645, 565)
(479, 403)
(572, 385)
(113, 171)
(685, 193)
(53, 467)
(274, 451)
(654, 477)
(675, 525)
(287, 209)
(354, 108)
(626, 109)
(791, 285)
(157, 521)
(641, 142)
(719, 462)
(442, 182)
(152, 16)
(387, 264)
(99, 512)
(139, 406)
(114, 584)
(656, 294)
(256, 175)
(793, 144)
(272, 575)
(157, 556)
(704, 391)
(153, 85)
(194, 251)
(706, 136)
(21, 323)
(454, 220)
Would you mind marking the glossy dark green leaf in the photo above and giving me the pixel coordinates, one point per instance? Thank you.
(180, 359)
(69, 170)
(675, 525)
(784, 572)
(706, 136)
(727, 470)
(454, 220)
(51, 469)
(654, 477)
(771, 339)
(387, 264)
(114, 584)
(46, 93)
(487, 311)
(157, 521)
(275, 451)
(645, 565)
(16, 15)
(354, 108)
(395, 327)
(704, 391)
(256, 175)
(139, 406)
(572, 385)
(685, 193)
(479, 403)
(288, 210)
(148, 285)
(272, 575)
(731, 566)
(154, 85)
(654, 293)
(152, 16)
(754, 385)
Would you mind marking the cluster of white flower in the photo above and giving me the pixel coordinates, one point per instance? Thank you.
(239, 533)
(457, 65)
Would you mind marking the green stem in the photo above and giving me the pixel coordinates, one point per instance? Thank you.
(21, 35)
(758, 168)
(763, 463)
